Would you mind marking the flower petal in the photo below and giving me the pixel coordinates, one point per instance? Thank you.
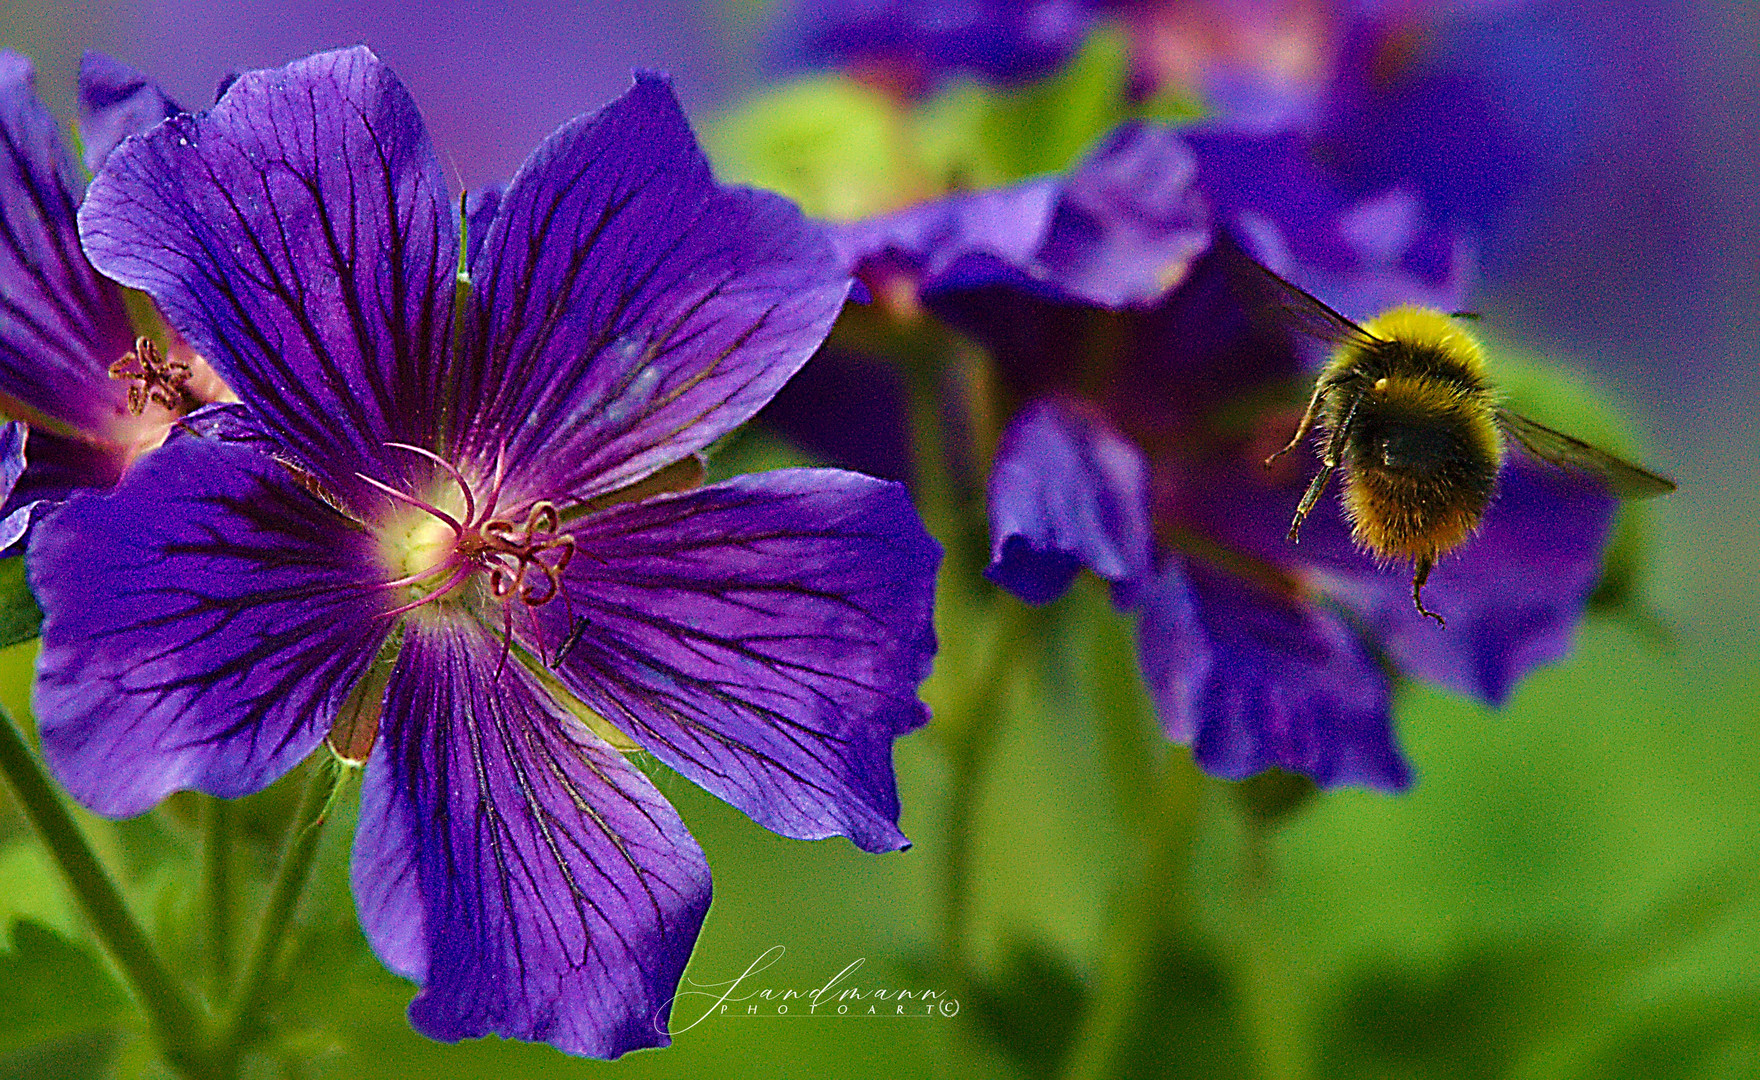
(1254, 680)
(61, 325)
(299, 236)
(764, 637)
(1129, 223)
(1512, 595)
(1361, 255)
(116, 101)
(15, 520)
(54, 469)
(480, 207)
(1066, 491)
(946, 241)
(203, 622)
(632, 311)
(1118, 232)
(535, 883)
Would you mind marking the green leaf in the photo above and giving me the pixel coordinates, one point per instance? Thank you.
(20, 618)
(31, 887)
(974, 136)
(51, 988)
(828, 143)
(1030, 1005)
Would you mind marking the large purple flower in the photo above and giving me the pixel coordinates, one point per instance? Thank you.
(70, 362)
(1146, 388)
(454, 526)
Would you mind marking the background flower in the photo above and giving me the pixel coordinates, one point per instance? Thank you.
(66, 328)
(1151, 387)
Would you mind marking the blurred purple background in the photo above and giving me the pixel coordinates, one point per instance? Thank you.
(491, 78)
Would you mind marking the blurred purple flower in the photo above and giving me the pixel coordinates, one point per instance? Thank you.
(65, 328)
(1477, 106)
(467, 545)
(1146, 391)
(912, 46)
(1474, 105)
(493, 79)
(1497, 112)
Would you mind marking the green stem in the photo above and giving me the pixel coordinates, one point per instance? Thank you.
(935, 491)
(177, 1024)
(1274, 1002)
(290, 883)
(972, 736)
(1151, 904)
(969, 714)
(217, 833)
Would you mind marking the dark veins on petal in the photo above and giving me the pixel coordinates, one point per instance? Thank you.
(765, 637)
(299, 235)
(60, 323)
(203, 623)
(661, 309)
(560, 894)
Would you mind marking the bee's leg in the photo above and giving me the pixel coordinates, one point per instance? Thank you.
(1307, 424)
(1309, 498)
(1421, 574)
(1334, 455)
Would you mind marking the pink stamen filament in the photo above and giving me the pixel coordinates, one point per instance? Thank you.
(459, 576)
(411, 500)
(470, 502)
(506, 551)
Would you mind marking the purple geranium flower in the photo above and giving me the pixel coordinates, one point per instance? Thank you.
(461, 537)
(94, 393)
(911, 46)
(1146, 389)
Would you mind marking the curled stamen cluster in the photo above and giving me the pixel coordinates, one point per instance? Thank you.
(498, 540)
(152, 378)
(507, 551)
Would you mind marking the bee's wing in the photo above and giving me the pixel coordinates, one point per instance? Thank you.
(1621, 477)
(1289, 304)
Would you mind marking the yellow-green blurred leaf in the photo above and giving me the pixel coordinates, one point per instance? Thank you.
(51, 988)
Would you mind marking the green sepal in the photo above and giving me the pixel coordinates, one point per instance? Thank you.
(20, 617)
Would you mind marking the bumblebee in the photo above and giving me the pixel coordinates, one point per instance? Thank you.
(1419, 431)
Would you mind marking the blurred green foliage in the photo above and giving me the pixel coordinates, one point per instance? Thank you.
(1568, 892)
(844, 150)
(19, 617)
